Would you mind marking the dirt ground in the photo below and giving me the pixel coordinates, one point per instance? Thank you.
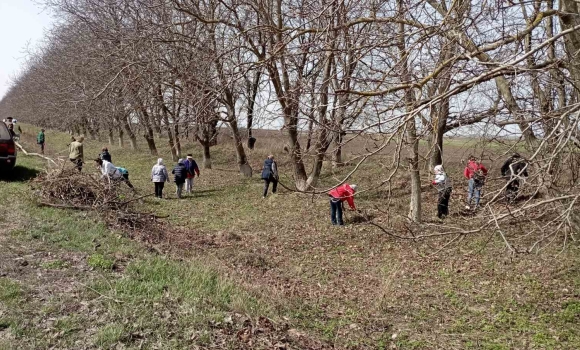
(319, 286)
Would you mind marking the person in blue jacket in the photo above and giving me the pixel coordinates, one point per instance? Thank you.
(270, 175)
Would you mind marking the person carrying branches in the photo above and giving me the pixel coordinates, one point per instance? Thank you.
(476, 174)
(338, 195)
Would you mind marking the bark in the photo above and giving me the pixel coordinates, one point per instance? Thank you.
(252, 95)
(177, 140)
(110, 136)
(243, 165)
(121, 138)
(570, 17)
(323, 141)
(411, 128)
(148, 132)
(206, 155)
(132, 137)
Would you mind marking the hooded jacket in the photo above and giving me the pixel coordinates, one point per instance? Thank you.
(344, 193)
(179, 172)
(441, 181)
(159, 172)
(270, 170)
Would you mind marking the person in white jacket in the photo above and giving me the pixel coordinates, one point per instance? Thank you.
(108, 170)
(159, 177)
(444, 187)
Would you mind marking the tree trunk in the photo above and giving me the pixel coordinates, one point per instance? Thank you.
(148, 134)
(411, 128)
(121, 138)
(323, 141)
(206, 155)
(569, 19)
(110, 137)
(132, 137)
(337, 154)
(177, 140)
(243, 165)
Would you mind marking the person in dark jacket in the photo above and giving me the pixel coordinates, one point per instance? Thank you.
(40, 139)
(105, 155)
(180, 175)
(270, 175)
(514, 169)
(192, 170)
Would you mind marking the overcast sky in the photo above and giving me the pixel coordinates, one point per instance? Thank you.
(22, 22)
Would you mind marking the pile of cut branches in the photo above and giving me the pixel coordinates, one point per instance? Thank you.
(114, 201)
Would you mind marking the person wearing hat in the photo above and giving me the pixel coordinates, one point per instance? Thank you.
(444, 188)
(40, 140)
(514, 169)
(191, 169)
(338, 195)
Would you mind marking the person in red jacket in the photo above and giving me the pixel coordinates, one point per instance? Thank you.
(476, 173)
(339, 194)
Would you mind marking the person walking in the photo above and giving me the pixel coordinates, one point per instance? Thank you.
(105, 155)
(192, 169)
(338, 195)
(270, 175)
(514, 169)
(476, 174)
(444, 188)
(76, 154)
(40, 139)
(180, 175)
(159, 177)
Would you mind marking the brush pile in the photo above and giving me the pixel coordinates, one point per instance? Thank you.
(114, 201)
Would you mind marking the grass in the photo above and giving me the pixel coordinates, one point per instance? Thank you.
(84, 285)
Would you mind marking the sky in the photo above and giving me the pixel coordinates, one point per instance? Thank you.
(22, 23)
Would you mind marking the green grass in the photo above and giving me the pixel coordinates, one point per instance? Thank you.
(351, 288)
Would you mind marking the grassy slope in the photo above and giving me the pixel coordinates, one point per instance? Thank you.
(68, 282)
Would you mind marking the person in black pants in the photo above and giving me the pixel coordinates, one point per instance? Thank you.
(444, 188)
(159, 176)
(270, 175)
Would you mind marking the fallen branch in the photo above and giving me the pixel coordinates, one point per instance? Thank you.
(33, 154)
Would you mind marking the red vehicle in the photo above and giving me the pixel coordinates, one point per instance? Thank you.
(7, 149)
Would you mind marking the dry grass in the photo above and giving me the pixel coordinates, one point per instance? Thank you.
(357, 287)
